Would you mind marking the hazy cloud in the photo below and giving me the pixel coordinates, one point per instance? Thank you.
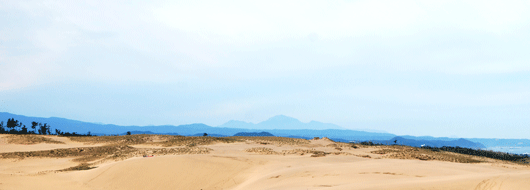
(390, 65)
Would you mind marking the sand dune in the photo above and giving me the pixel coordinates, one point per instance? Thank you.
(229, 166)
(5, 146)
(170, 172)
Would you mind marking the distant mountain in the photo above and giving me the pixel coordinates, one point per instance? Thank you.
(237, 124)
(432, 143)
(429, 138)
(80, 127)
(67, 125)
(281, 125)
(372, 130)
(140, 132)
(253, 134)
(210, 135)
(280, 122)
(146, 132)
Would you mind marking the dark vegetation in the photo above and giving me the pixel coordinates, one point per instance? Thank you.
(82, 166)
(432, 143)
(518, 158)
(252, 134)
(15, 127)
(370, 143)
(524, 158)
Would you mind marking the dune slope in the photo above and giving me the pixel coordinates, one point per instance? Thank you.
(261, 163)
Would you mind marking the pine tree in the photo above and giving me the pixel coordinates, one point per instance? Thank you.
(11, 125)
(2, 130)
(43, 129)
(24, 130)
(34, 126)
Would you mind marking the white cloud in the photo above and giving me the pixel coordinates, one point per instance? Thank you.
(26, 70)
(492, 68)
(258, 22)
(274, 20)
(195, 38)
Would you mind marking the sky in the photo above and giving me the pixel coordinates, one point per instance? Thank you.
(437, 68)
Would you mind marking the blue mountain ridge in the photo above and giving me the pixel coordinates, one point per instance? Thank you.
(198, 129)
(280, 122)
(254, 134)
(81, 127)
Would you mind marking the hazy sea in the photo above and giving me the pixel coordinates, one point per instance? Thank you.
(511, 149)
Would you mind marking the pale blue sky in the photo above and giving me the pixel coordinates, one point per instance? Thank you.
(450, 68)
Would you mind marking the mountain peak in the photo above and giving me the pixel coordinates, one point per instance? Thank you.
(283, 119)
(236, 124)
(280, 122)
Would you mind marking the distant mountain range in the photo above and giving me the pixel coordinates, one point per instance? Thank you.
(261, 134)
(280, 125)
(273, 125)
(280, 122)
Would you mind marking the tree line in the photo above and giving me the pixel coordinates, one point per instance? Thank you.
(15, 127)
(524, 158)
(483, 153)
